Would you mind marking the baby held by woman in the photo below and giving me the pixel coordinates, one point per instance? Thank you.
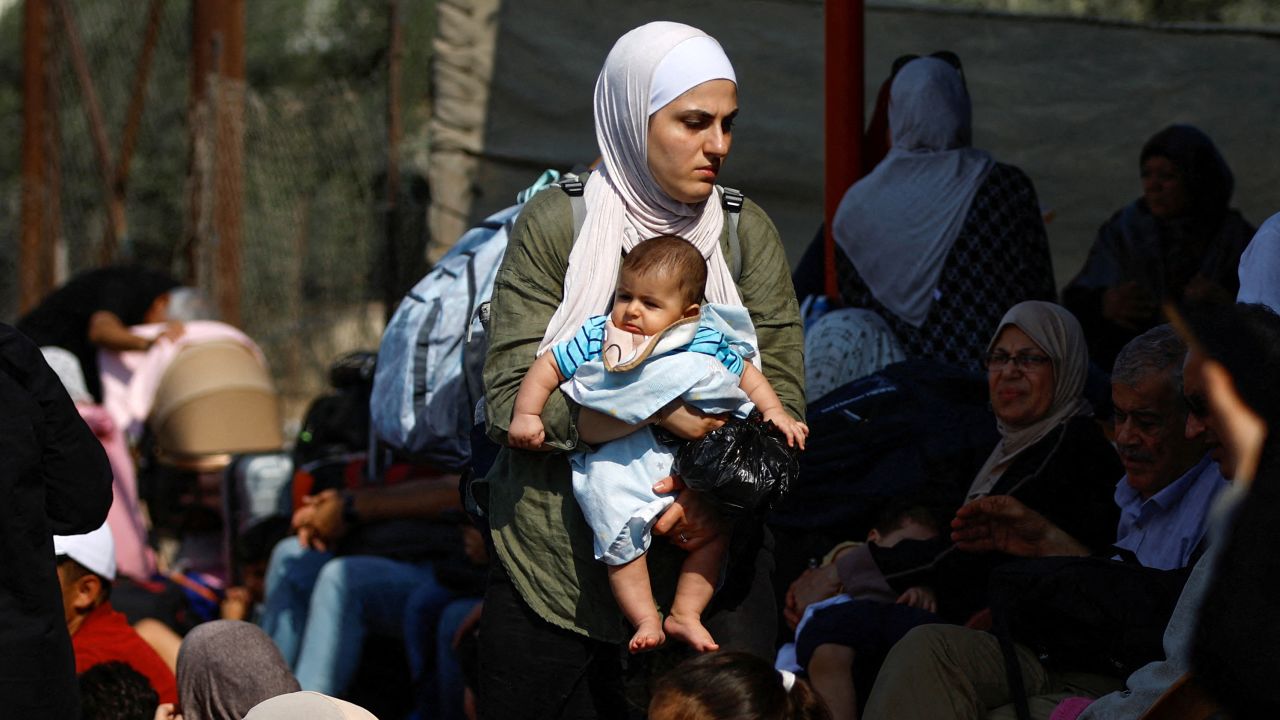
(656, 314)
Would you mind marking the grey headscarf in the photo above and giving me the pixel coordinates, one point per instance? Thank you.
(226, 667)
(1058, 334)
(897, 225)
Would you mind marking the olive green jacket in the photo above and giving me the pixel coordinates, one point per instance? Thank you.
(542, 540)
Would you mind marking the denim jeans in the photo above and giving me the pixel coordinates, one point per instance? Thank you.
(319, 608)
(430, 621)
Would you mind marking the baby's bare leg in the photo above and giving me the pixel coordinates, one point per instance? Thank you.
(698, 576)
(631, 588)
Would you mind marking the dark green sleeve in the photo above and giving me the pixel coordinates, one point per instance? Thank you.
(765, 286)
(526, 292)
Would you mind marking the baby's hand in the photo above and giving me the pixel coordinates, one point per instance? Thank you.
(526, 432)
(919, 597)
(795, 430)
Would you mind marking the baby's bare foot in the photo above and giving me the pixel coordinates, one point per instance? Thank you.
(648, 635)
(689, 629)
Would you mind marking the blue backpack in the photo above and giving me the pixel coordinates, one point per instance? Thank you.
(427, 380)
(430, 361)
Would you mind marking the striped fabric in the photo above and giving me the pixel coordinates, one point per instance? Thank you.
(586, 345)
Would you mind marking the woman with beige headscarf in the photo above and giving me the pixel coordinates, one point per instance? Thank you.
(664, 107)
(1052, 457)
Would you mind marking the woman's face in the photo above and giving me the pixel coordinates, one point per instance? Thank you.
(689, 138)
(1163, 187)
(1021, 392)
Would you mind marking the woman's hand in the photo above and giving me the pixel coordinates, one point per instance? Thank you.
(687, 422)
(1128, 305)
(813, 585)
(690, 522)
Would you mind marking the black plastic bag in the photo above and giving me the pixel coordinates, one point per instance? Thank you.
(744, 466)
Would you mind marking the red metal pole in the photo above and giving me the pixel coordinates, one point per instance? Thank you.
(844, 23)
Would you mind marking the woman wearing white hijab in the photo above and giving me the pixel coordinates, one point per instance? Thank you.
(664, 106)
(940, 237)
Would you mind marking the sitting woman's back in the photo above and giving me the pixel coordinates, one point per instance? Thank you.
(940, 239)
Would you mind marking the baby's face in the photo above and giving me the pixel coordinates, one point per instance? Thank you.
(646, 304)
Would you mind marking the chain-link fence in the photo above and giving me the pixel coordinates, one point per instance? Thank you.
(316, 258)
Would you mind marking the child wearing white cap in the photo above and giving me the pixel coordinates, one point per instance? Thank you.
(99, 634)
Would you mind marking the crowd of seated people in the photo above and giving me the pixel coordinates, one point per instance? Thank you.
(1138, 485)
(942, 257)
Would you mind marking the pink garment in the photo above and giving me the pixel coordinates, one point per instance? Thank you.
(129, 379)
(1070, 708)
(134, 557)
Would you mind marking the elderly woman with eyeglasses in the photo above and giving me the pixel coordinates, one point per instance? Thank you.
(1052, 457)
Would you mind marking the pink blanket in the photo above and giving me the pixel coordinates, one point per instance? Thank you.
(134, 557)
(129, 379)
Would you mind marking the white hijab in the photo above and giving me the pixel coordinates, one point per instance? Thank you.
(1260, 267)
(897, 225)
(1059, 335)
(647, 68)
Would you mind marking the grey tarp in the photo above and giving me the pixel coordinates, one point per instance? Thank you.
(1069, 101)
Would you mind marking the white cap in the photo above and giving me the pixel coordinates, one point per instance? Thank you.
(67, 367)
(96, 550)
(309, 705)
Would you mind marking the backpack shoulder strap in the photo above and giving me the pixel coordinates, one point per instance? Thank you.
(573, 186)
(731, 200)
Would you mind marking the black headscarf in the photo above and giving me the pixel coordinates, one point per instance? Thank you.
(1208, 179)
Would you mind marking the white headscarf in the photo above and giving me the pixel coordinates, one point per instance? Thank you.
(1260, 267)
(646, 69)
(1057, 332)
(898, 224)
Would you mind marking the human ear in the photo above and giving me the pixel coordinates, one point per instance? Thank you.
(692, 311)
(87, 589)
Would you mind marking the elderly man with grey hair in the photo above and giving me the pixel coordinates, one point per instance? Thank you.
(1170, 482)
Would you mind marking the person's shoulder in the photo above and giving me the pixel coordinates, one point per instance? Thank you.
(754, 224)
(549, 201)
(1008, 172)
(18, 353)
(1084, 442)
(544, 227)
(1008, 179)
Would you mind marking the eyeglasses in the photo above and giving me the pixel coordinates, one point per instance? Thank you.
(1025, 362)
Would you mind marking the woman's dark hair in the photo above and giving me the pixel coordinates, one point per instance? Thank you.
(732, 686)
